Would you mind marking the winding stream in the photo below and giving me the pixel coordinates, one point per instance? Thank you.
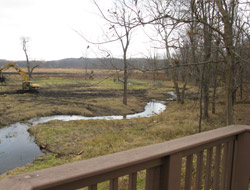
(18, 148)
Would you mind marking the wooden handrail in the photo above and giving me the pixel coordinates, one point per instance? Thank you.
(163, 160)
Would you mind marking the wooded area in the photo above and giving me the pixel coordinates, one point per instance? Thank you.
(206, 43)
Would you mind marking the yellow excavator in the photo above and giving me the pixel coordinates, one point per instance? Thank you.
(27, 86)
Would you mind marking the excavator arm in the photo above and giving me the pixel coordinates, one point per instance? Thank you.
(22, 73)
(27, 86)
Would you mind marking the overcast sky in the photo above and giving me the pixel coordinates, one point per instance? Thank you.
(50, 25)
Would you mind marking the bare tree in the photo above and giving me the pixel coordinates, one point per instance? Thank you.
(25, 40)
(121, 24)
(30, 68)
(227, 10)
(165, 31)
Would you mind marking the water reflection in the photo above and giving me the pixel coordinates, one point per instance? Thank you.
(17, 147)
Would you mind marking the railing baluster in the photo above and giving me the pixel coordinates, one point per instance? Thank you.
(173, 175)
(149, 179)
(224, 166)
(217, 168)
(113, 184)
(153, 178)
(92, 187)
(188, 173)
(132, 181)
(199, 167)
(208, 168)
(229, 166)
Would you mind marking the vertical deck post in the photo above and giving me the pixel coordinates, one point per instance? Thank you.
(241, 164)
(132, 181)
(170, 177)
(152, 178)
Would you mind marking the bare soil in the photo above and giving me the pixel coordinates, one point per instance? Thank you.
(69, 97)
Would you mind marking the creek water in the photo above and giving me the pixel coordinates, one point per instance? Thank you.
(18, 147)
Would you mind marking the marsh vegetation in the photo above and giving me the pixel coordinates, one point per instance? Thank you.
(71, 94)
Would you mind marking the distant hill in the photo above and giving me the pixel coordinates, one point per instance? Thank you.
(90, 63)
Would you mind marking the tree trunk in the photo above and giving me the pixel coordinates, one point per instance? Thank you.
(214, 93)
(86, 71)
(32, 69)
(125, 84)
(241, 86)
(215, 76)
(206, 68)
(205, 92)
(228, 18)
(154, 73)
(182, 98)
(228, 89)
(176, 86)
(201, 97)
(28, 64)
(234, 96)
(202, 71)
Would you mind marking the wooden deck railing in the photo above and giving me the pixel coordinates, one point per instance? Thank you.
(218, 159)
